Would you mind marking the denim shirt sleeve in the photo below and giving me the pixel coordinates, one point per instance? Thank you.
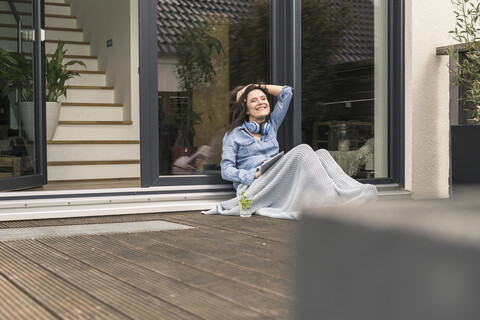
(228, 164)
(281, 107)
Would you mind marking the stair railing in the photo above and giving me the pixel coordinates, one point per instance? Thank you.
(19, 25)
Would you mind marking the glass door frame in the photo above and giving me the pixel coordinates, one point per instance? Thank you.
(40, 178)
(286, 69)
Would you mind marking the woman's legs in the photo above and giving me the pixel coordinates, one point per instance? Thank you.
(335, 172)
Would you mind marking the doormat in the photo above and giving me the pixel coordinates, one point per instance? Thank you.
(89, 229)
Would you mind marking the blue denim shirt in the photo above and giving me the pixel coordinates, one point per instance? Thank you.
(242, 153)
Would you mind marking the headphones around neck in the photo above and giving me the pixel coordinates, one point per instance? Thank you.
(254, 127)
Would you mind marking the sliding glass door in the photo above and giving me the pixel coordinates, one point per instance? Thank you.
(343, 58)
(22, 145)
(204, 49)
(345, 108)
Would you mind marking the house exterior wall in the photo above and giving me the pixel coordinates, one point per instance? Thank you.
(427, 23)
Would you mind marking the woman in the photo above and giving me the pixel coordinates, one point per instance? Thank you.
(251, 139)
(301, 176)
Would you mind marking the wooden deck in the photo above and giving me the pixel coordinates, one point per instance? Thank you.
(225, 268)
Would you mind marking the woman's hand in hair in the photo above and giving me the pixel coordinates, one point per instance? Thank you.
(239, 93)
(272, 89)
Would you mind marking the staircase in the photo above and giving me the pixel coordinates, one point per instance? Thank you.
(93, 140)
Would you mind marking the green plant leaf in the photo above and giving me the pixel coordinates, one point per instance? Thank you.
(57, 73)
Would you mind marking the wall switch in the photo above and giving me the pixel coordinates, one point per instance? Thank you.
(109, 42)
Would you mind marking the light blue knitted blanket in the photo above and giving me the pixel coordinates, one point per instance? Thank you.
(301, 178)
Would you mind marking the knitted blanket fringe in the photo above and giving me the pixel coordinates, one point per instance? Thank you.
(301, 178)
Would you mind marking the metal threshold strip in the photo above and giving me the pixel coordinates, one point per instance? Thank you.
(81, 193)
(149, 200)
(88, 229)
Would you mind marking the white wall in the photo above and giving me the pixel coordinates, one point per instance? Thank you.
(427, 98)
(167, 81)
(102, 20)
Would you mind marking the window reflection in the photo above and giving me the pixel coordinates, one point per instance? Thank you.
(205, 49)
(17, 110)
(344, 83)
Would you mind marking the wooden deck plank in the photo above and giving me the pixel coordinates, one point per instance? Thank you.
(16, 304)
(187, 256)
(138, 242)
(264, 248)
(55, 294)
(155, 276)
(229, 267)
(123, 297)
(255, 226)
(225, 251)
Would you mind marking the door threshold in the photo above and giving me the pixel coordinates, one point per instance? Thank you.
(79, 193)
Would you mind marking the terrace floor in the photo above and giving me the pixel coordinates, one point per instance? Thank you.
(223, 268)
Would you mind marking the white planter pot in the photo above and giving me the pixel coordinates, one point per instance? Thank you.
(27, 116)
(53, 113)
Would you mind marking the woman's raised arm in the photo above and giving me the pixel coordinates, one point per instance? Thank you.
(271, 88)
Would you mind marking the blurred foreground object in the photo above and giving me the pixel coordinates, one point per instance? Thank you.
(392, 260)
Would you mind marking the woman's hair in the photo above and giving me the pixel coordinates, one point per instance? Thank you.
(238, 108)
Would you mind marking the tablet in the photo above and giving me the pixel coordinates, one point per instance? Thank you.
(264, 167)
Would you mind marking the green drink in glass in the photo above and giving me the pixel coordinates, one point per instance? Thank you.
(245, 205)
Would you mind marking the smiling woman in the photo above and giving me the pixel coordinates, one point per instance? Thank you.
(251, 139)
(303, 176)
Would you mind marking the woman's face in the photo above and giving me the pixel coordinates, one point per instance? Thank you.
(258, 107)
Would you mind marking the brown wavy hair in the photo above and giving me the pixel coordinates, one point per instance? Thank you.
(238, 108)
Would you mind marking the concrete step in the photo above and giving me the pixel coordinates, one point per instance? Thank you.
(57, 8)
(93, 150)
(20, 6)
(51, 33)
(65, 34)
(96, 132)
(10, 44)
(90, 113)
(91, 94)
(72, 47)
(54, 1)
(51, 20)
(88, 171)
(60, 21)
(90, 61)
(24, 6)
(393, 192)
(87, 77)
(6, 16)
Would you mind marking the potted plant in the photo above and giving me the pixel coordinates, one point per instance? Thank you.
(56, 74)
(16, 73)
(465, 139)
(194, 67)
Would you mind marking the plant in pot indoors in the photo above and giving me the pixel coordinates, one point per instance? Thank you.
(465, 139)
(16, 74)
(194, 67)
(57, 74)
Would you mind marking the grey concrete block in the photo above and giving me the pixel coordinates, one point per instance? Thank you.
(390, 261)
